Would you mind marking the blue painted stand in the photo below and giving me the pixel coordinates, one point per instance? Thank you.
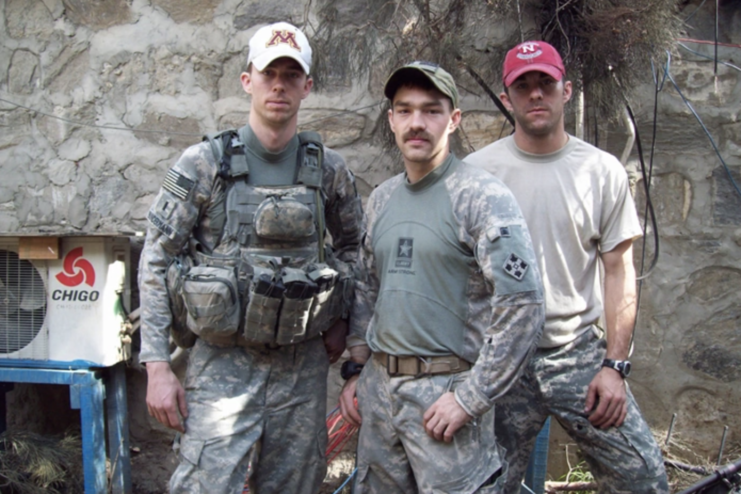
(88, 393)
(537, 468)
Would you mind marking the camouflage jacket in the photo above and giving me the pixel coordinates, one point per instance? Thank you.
(192, 194)
(447, 267)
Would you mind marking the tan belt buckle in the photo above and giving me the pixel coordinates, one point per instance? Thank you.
(392, 365)
(423, 371)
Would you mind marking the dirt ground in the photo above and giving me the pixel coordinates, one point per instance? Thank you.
(44, 409)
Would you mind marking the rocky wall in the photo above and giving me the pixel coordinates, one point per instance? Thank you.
(98, 99)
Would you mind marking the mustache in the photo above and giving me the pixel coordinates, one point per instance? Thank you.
(417, 135)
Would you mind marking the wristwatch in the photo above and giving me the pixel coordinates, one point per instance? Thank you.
(349, 369)
(622, 366)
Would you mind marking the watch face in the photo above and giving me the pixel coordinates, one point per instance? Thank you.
(625, 368)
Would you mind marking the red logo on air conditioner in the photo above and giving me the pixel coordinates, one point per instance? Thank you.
(76, 269)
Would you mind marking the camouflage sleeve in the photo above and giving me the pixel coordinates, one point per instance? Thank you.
(344, 213)
(504, 253)
(172, 217)
(366, 285)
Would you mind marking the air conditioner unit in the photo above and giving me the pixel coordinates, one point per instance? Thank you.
(68, 310)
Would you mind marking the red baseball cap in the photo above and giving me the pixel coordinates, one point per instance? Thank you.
(532, 56)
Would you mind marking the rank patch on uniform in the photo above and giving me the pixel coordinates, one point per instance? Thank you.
(177, 184)
(516, 267)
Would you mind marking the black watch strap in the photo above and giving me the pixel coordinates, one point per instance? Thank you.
(349, 369)
(622, 366)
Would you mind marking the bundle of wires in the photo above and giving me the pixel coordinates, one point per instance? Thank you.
(339, 432)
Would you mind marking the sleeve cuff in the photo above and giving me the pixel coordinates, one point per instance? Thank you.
(354, 340)
(471, 400)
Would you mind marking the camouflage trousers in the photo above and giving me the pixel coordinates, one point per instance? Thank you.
(623, 459)
(261, 407)
(395, 454)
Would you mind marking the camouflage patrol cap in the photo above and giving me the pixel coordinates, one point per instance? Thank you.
(438, 76)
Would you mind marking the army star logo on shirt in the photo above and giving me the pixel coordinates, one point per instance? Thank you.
(404, 253)
(516, 267)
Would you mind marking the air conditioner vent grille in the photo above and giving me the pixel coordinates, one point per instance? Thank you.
(22, 302)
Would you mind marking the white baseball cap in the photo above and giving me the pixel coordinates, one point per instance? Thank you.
(279, 40)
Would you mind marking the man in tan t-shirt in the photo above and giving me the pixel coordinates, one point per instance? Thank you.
(577, 204)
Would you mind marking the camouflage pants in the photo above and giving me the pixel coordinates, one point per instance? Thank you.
(395, 454)
(623, 459)
(274, 400)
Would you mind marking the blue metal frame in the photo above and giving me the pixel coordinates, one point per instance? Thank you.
(88, 393)
(537, 468)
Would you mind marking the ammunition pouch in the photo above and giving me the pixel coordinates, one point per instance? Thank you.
(181, 335)
(211, 297)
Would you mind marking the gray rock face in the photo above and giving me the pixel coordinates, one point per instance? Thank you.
(97, 15)
(23, 74)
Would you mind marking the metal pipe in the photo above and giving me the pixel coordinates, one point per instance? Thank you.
(631, 138)
(722, 444)
(671, 429)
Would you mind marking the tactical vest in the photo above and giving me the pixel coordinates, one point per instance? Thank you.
(270, 280)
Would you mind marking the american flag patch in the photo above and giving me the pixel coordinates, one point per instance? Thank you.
(177, 184)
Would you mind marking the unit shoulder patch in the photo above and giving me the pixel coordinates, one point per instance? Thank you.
(515, 266)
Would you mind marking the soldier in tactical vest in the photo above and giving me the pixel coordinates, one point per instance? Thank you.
(235, 266)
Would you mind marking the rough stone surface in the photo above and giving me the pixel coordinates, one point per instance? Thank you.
(252, 12)
(671, 196)
(478, 127)
(727, 201)
(74, 149)
(97, 15)
(23, 75)
(28, 19)
(336, 130)
(195, 11)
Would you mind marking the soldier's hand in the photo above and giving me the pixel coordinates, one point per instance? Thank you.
(444, 418)
(348, 403)
(607, 392)
(165, 396)
(334, 340)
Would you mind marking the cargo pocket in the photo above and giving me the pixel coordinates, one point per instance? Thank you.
(261, 316)
(297, 300)
(212, 301)
(190, 450)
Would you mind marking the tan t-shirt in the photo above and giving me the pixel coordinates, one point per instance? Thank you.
(577, 203)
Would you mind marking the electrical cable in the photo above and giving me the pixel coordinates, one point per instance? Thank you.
(339, 489)
(735, 67)
(647, 190)
(704, 128)
(695, 11)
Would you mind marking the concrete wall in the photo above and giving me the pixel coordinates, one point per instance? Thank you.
(152, 76)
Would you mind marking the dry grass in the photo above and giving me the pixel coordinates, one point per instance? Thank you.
(35, 464)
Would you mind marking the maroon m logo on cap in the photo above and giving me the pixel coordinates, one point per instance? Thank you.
(284, 36)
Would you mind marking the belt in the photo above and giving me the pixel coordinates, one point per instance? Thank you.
(421, 366)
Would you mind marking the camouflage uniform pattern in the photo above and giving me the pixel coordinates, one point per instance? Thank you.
(624, 460)
(173, 220)
(392, 431)
(241, 397)
(503, 321)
